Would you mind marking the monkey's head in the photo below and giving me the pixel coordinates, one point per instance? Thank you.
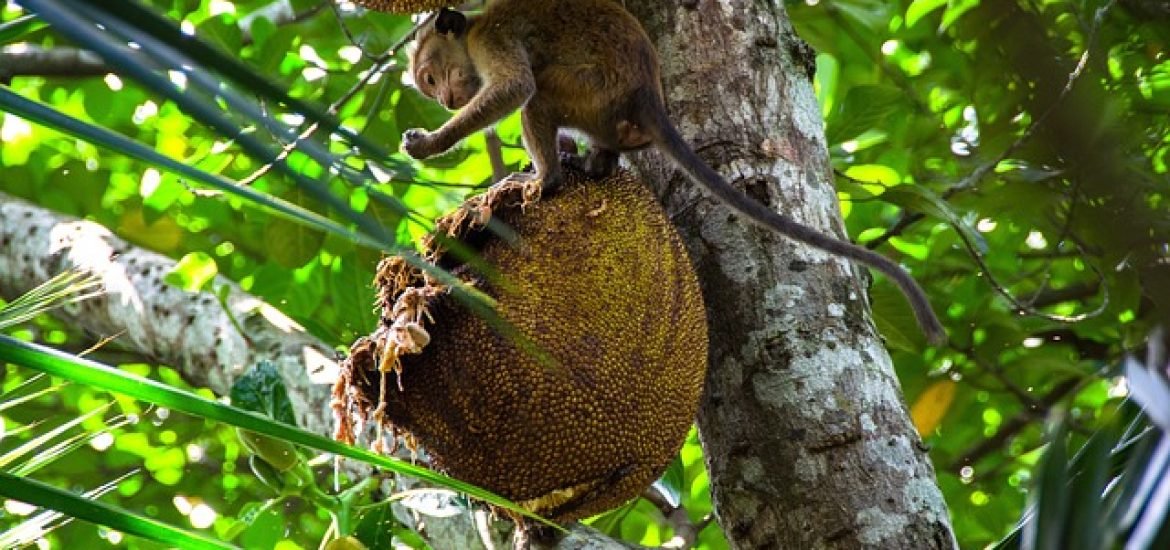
(439, 62)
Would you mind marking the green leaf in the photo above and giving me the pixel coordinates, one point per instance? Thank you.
(40, 494)
(871, 14)
(417, 111)
(856, 190)
(895, 319)
(1051, 496)
(291, 245)
(878, 174)
(672, 482)
(919, 8)
(67, 287)
(376, 526)
(864, 108)
(169, 33)
(107, 378)
(40, 114)
(98, 30)
(261, 389)
(264, 526)
(19, 28)
(921, 199)
(955, 10)
(193, 272)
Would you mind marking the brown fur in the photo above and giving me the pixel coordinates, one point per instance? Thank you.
(587, 65)
(520, 56)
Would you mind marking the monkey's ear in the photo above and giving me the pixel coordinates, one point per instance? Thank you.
(450, 21)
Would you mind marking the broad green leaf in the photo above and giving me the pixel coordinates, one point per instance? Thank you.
(895, 319)
(292, 245)
(193, 272)
(261, 389)
(919, 8)
(921, 199)
(874, 174)
(864, 108)
(673, 481)
(955, 10)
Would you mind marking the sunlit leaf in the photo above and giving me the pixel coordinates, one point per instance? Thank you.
(193, 272)
(932, 405)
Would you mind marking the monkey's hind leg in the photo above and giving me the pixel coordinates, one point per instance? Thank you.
(596, 163)
(600, 162)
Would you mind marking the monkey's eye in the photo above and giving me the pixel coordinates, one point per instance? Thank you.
(430, 80)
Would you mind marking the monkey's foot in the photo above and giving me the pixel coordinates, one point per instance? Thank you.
(527, 184)
(475, 213)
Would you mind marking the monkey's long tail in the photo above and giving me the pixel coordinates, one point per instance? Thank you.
(654, 120)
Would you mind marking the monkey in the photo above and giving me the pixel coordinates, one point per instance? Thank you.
(589, 66)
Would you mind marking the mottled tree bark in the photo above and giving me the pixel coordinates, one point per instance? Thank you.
(807, 439)
(192, 331)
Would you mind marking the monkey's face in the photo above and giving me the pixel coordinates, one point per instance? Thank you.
(443, 70)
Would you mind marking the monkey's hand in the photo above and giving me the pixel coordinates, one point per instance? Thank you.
(420, 144)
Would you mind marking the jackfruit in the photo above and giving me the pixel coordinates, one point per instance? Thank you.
(590, 411)
(406, 6)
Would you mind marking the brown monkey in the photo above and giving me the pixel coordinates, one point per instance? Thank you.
(586, 65)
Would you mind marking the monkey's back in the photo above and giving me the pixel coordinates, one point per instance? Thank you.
(588, 56)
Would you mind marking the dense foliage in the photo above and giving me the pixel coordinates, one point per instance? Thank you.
(1034, 135)
(1012, 155)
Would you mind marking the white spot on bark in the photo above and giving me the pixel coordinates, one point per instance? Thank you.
(752, 470)
(809, 468)
(896, 452)
(867, 423)
(806, 115)
(875, 526)
(922, 495)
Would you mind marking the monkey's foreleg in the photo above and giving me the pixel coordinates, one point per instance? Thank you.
(539, 127)
(495, 101)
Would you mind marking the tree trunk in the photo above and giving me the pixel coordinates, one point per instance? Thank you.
(808, 442)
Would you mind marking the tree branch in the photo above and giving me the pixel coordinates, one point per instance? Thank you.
(194, 333)
(68, 62)
(32, 60)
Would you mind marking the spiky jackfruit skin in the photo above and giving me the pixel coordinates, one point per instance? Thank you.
(601, 282)
(406, 6)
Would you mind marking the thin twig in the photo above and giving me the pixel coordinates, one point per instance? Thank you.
(1014, 425)
(495, 152)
